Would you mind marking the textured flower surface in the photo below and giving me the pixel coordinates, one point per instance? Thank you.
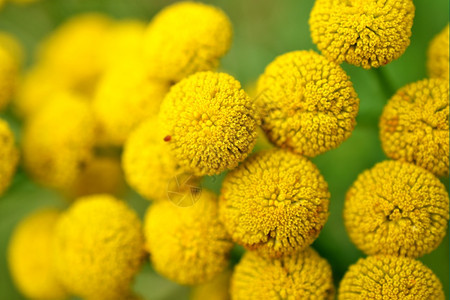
(396, 208)
(414, 125)
(390, 278)
(363, 33)
(308, 103)
(438, 55)
(211, 123)
(303, 275)
(185, 38)
(98, 248)
(187, 244)
(275, 202)
(9, 156)
(30, 259)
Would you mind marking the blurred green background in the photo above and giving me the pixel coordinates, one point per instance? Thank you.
(263, 29)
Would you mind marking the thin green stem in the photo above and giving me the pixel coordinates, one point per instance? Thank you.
(386, 85)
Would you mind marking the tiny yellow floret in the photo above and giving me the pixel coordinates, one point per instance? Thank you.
(396, 208)
(275, 202)
(367, 33)
(414, 125)
(438, 55)
(9, 156)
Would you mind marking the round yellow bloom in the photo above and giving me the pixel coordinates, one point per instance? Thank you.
(216, 289)
(9, 156)
(210, 121)
(58, 141)
(99, 247)
(187, 244)
(308, 103)
(125, 97)
(9, 72)
(363, 33)
(390, 278)
(304, 275)
(185, 38)
(30, 259)
(396, 208)
(414, 125)
(275, 202)
(438, 55)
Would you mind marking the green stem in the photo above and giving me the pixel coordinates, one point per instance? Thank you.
(385, 83)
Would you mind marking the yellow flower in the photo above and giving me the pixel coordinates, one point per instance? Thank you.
(308, 103)
(58, 141)
(304, 275)
(148, 166)
(216, 289)
(187, 244)
(98, 247)
(9, 72)
(390, 278)
(12, 45)
(275, 202)
(414, 125)
(211, 123)
(185, 38)
(396, 208)
(438, 55)
(30, 256)
(363, 33)
(9, 156)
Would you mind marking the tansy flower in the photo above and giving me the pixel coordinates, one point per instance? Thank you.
(389, 278)
(302, 275)
(12, 45)
(275, 202)
(185, 38)
(210, 121)
(438, 55)
(9, 156)
(58, 141)
(148, 166)
(30, 256)
(396, 208)
(187, 244)
(98, 248)
(9, 72)
(414, 125)
(216, 289)
(363, 33)
(308, 103)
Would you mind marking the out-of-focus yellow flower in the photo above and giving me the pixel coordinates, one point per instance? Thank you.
(438, 55)
(396, 208)
(308, 103)
(9, 156)
(125, 97)
(185, 38)
(390, 278)
(275, 202)
(23, 2)
(216, 289)
(210, 123)
(187, 244)
(9, 74)
(363, 33)
(58, 141)
(99, 247)
(414, 125)
(13, 47)
(30, 257)
(303, 275)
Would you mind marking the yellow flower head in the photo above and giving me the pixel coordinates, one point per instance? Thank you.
(185, 38)
(275, 202)
(148, 166)
(216, 289)
(367, 33)
(98, 248)
(9, 74)
(30, 256)
(308, 103)
(438, 55)
(414, 125)
(303, 275)
(58, 141)
(12, 45)
(396, 208)
(187, 244)
(389, 278)
(124, 98)
(9, 156)
(210, 123)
